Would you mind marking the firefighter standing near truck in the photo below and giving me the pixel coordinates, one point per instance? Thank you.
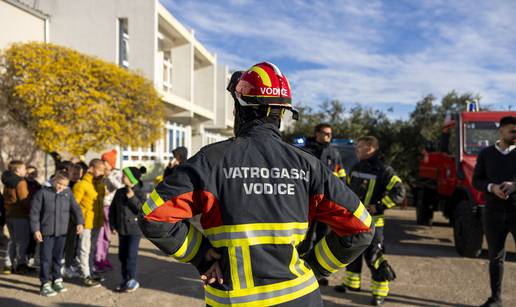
(379, 189)
(320, 147)
(256, 194)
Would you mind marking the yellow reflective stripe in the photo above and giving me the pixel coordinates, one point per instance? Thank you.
(380, 288)
(370, 190)
(256, 226)
(377, 262)
(351, 279)
(387, 201)
(190, 246)
(293, 239)
(263, 75)
(341, 173)
(235, 280)
(326, 258)
(294, 265)
(248, 271)
(152, 203)
(394, 179)
(362, 214)
(255, 234)
(266, 295)
(379, 220)
(348, 179)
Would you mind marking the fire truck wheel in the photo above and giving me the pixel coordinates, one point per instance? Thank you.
(424, 213)
(467, 230)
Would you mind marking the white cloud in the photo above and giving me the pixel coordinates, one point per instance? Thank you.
(367, 52)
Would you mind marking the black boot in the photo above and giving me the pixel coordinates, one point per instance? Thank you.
(492, 302)
(377, 300)
(344, 289)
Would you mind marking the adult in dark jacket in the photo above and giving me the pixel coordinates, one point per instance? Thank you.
(495, 174)
(320, 147)
(123, 214)
(49, 216)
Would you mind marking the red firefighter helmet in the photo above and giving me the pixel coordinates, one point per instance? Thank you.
(263, 85)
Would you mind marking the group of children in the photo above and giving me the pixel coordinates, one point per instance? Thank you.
(70, 218)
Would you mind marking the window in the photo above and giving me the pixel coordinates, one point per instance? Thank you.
(123, 42)
(176, 136)
(167, 70)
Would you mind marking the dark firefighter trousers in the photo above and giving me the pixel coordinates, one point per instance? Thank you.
(352, 278)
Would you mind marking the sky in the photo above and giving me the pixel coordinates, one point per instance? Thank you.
(386, 55)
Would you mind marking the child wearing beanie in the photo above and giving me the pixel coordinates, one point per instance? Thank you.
(123, 218)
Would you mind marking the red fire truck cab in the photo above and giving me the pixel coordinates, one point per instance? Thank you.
(446, 173)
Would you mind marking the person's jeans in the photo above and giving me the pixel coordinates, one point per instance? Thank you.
(87, 246)
(19, 231)
(497, 226)
(51, 256)
(71, 247)
(128, 255)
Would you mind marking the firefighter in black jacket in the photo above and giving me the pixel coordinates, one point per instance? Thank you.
(256, 194)
(379, 189)
(320, 147)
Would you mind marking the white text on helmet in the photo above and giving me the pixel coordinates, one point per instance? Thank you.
(273, 91)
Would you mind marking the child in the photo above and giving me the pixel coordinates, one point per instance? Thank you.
(49, 217)
(124, 219)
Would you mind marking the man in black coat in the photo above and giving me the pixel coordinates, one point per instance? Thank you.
(495, 174)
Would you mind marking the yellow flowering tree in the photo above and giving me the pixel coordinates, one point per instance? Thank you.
(71, 102)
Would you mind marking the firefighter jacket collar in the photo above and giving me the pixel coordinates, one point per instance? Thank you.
(258, 127)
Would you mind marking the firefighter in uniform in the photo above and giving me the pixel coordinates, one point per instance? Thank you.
(379, 189)
(256, 195)
(320, 147)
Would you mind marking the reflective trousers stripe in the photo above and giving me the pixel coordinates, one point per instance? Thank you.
(153, 202)
(351, 280)
(267, 295)
(256, 234)
(326, 258)
(190, 245)
(387, 201)
(380, 288)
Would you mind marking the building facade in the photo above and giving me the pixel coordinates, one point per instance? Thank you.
(143, 36)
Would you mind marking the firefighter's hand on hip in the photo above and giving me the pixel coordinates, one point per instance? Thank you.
(214, 273)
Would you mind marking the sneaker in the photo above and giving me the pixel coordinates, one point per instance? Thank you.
(97, 277)
(132, 285)
(377, 300)
(90, 282)
(344, 289)
(7, 270)
(58, 286)
(491, 302)
(46, 290)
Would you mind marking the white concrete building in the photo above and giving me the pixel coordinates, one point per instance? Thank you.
(143, 35)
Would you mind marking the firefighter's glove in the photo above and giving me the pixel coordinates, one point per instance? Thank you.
(386, 272)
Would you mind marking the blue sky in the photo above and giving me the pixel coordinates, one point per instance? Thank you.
(380, 54)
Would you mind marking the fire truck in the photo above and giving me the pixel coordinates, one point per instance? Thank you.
(446, 174)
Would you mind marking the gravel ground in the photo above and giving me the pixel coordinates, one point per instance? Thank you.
(429, 274)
